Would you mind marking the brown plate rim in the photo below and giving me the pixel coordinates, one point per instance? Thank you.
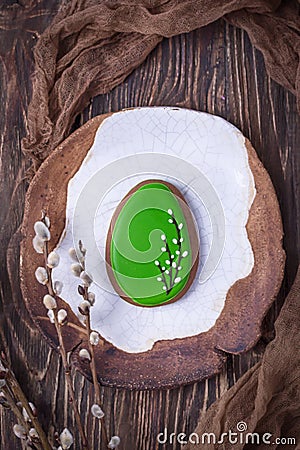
(172, 363)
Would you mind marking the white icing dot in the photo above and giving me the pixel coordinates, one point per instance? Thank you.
(172, 256)
(174, 241)
(156, 263)
(159, 279)
(181, 240)
(185, 253)
(168, 262)
(163, 237)
(170, 211)
(163, 268)
(163, 249)
(180, 226)
(179, 267)
(170, 220)
(177, 252)
(164, 288)
(174, 264)
(177, 279)
(167, 272)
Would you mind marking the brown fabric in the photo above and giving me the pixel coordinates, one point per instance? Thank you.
(92, 45)
(267, 397)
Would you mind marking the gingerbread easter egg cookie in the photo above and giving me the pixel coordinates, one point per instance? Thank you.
(152, 247)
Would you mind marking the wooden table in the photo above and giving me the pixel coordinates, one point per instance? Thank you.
(214, 69)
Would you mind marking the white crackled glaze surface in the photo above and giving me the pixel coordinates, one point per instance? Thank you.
(217, 151)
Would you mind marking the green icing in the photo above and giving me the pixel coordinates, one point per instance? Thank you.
(147, 230)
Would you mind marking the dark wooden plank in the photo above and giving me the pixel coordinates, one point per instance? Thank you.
(214, 69)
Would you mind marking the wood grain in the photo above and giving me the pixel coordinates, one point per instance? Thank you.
(214, 69)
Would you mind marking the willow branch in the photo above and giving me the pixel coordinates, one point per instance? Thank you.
(13, 393)
(94, 370)
(63, 354)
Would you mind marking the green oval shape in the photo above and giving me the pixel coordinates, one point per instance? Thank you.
(152, 246)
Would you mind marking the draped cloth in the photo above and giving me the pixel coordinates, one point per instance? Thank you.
(267, 398)
(92, 45)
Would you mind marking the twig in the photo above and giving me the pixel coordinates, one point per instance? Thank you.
(63, 354)
(68, 378)
(95, 379)
(93, 362)
(18, 395)
(59, 318)
(13, 406)
(16, 388)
